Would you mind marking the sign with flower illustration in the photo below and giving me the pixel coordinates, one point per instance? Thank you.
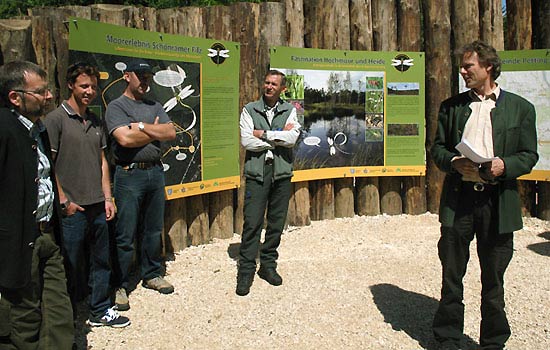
(197, 82)
(362, 112)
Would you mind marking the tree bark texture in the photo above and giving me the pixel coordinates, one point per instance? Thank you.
(385, 22)
(344, 198)
(299, 205)
(322, 199)
(326, 27)
(246, 30)
(360, 19)
(465, 22)
(437, 35)
(16, 40)
(390, 196)
(217, 21)
(294, 13)
(367, 197)
(410, 39)
(43, 44)
(175, 226)
(327, 24)
(198, 229)
(492, 30)
(384, 25)
(541, 40)
(518, 35)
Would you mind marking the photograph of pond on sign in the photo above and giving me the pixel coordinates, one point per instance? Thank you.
(334, 108)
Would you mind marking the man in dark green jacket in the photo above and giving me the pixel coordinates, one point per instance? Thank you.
(480, 198)
(269, 130)
(35, 310)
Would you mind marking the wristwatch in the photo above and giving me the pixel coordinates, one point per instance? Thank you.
(141, 126)
(65, 204)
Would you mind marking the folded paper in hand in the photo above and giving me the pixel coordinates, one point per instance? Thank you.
(468, 151)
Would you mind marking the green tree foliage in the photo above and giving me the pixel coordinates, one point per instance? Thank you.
(12, 8)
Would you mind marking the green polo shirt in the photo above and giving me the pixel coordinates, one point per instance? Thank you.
(78, 143)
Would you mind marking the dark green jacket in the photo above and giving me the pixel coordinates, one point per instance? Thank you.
(18, 228)
(514, 141)
(282, 156)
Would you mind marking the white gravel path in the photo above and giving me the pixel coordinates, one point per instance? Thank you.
(356, 283)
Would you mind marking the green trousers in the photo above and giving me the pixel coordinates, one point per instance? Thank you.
(258, 195)
(38, 316)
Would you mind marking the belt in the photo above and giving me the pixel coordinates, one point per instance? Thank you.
(269, 161)
(139, 165)
(480, 186)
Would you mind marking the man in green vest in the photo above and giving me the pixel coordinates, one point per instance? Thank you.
(480, 197)
(269, 129)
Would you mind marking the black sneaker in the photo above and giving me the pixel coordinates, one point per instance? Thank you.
(110, 318)
(270, 275)
(244, 281)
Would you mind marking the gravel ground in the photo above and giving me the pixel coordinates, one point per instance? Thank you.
(355, 283)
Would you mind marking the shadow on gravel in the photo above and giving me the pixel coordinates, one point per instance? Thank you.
(409, 312)
(542, 248)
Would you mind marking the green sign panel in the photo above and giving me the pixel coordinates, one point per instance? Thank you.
(197, 82)
(362, 112)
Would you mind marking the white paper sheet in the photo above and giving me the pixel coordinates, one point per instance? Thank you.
(468, 151)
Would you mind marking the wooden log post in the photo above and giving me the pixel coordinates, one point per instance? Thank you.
(146, 18)
(183, 225)
(42, 42)
(541, 40)
(465, 16)
(367, 198)
(294, 14)
(437, 29)
(246, 29)
(16, 40)
(59, 17)
(384, 19)
(198, 224)
(198, 207)
(217, 20)
(518, 37)
(360, 19)
(299, 205)
(174, 238)
(492, 30)
(409, 39)
(121, 15)
(327, 27)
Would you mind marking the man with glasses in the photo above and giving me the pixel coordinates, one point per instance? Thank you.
(78, 142)
(35, 310)
(137, 125)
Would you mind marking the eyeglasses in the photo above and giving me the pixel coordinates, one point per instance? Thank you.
(41, 92)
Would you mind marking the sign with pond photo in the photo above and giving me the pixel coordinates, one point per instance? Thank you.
(197, 82)
(362, 112)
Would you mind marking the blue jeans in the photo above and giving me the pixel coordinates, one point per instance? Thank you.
(139, 195)
(75, 230)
